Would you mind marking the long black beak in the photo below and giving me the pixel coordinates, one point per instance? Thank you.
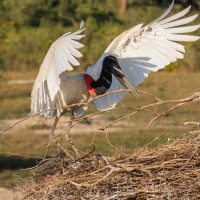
(118, 73)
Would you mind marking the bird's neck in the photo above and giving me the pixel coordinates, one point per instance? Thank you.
(102, 84)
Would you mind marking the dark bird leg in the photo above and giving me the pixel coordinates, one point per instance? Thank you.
(67, 135)
(53, 138)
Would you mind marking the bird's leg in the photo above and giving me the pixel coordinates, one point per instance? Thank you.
(68, 137)
(52, 137)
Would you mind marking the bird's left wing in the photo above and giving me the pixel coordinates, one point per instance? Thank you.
(141, 50)
(60, 57)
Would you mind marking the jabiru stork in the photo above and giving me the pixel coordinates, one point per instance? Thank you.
(126, 62)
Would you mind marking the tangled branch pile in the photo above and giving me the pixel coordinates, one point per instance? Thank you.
(171, 171)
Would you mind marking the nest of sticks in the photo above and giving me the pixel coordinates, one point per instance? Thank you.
(171, 171)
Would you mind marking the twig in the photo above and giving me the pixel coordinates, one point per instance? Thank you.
(164, 113)
(191, 123)
(18, 122)
(67, 134)
(149, 94)
(84, 156)
(97, 182)
(194, 97)
(66, 107)
(108, 141)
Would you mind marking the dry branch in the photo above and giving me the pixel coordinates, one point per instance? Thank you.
(147, 108)
(195, 97)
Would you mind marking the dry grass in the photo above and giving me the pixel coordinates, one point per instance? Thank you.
(171, 171)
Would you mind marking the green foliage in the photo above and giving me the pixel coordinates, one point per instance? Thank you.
(170, 68)
(27, 32)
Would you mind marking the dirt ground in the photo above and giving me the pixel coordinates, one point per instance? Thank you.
(7, 194)
(42, 125)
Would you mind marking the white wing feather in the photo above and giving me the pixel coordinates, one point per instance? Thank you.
(141, 50)
(60, 57)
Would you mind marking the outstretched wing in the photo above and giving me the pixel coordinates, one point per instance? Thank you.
(60, 57)
(141, 50)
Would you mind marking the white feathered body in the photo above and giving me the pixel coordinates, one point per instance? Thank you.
(72, 91)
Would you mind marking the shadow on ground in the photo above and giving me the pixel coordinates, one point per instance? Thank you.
(16, 162)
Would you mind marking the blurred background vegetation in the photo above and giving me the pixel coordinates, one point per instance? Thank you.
(28, 27)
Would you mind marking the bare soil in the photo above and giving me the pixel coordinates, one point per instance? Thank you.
(42, 125)
(7, 194)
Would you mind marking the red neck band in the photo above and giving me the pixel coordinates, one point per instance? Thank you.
(88, 80)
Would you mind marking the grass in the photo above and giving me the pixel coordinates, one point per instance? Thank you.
(35, 145)
(8, 177)
(16, 107)
(14, 100)
(125, 142)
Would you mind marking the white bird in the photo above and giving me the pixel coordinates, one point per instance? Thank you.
(125, 64)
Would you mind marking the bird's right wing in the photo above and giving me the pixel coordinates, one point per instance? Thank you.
(60, 57)
(141, 50)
